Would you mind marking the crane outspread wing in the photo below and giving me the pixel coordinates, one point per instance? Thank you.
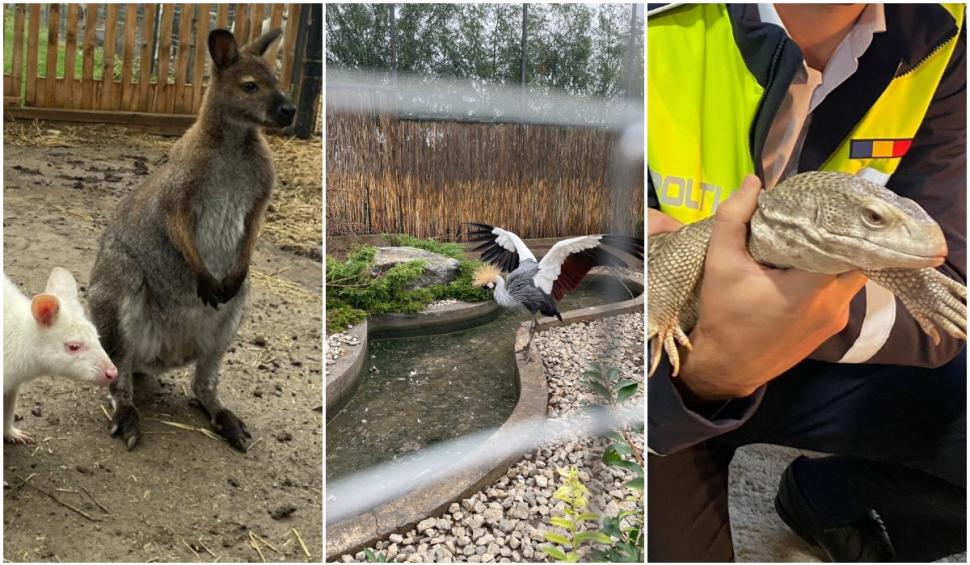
(500, 247)
(568, 261)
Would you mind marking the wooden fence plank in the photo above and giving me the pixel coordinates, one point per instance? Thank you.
(289, 45)
(275, 21)
(87, 71)
(33, 36)
(146, 60)
(49, 86)
(256, 22)
(240, 28)
(177, 102)
(201, 54)
(106, 101)
(222, 17)
(128, 60)
(69, 89)
(17, 68)
(164, 58)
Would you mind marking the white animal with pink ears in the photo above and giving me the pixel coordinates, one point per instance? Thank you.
(49, 335)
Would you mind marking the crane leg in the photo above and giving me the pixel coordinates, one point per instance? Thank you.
(527, 350)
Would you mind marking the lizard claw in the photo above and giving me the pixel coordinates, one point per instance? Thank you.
(666, 339)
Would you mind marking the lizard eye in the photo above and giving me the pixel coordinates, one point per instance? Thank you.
(873, 217)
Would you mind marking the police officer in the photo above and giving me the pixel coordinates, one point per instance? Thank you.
(745, 95)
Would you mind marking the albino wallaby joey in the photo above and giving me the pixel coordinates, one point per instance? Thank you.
(171, 278)
(48, 335)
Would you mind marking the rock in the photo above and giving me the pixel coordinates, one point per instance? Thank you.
(438, 269)
(493, 515)
(426, 524)
(485, 539)
(542, 482)
(282, 511)
(396, 538)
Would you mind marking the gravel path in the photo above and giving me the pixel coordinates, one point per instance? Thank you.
(505, 521)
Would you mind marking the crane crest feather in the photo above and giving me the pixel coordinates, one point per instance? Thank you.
(485, 274)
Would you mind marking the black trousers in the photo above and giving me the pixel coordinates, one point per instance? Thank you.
(898, 439)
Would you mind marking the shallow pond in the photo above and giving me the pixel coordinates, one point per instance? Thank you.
(431, 388)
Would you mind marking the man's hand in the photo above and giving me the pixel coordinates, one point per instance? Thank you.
(658, 222)
(756, 322)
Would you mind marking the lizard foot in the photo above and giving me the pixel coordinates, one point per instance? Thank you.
(666, 338)
(935, 300)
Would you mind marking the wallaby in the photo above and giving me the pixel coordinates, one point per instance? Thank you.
(48, 335)
(172, 275)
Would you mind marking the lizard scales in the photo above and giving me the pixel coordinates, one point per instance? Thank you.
(822, 222)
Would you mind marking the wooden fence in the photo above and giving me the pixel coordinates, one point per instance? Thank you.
(425, 178)
(127, 62)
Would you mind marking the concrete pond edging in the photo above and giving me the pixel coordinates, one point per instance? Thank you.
(352, 534)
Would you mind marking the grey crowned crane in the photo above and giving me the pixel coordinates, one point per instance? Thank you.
(534, 285)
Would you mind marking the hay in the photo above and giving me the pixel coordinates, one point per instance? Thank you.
(294, 219)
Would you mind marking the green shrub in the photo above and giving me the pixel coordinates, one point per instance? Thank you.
(352, 292)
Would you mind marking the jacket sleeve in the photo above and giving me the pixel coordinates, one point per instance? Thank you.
(675, 422)
(934, 174)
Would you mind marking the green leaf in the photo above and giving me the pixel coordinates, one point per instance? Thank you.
(636, 483)
(594, 536)
(622, 448)
(631, 466)
(588, 517)
(625, 392)
(557, 538)
(553, 552)
(564, 523)
(612, 374)
(611, 457)
(599, 389)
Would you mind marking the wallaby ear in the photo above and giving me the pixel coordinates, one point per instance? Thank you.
(222, 48)
(44, 307)
(61, 283)
(261, 44)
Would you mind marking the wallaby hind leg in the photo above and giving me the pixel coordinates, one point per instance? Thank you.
(205, 386)
(125, 421)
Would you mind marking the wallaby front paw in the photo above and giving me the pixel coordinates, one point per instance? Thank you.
(210, 291)
(17, 436)
(125, 423)
(231, 285)
(233, 429)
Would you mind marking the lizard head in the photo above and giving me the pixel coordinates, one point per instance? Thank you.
(834, 222)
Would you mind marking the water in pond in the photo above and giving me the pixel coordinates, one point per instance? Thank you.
(436, 387)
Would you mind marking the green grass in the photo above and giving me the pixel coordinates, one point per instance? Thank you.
(8, 32)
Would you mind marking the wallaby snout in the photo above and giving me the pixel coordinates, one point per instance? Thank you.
(284, 111)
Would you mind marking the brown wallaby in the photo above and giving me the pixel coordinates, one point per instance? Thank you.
(171, 278)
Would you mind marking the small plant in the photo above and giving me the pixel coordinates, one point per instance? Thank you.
(374, 557)
(353, 292)
(575, 516)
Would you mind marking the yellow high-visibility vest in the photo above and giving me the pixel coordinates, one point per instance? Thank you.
(702, 100)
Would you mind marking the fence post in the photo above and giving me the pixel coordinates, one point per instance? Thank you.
(310, 83)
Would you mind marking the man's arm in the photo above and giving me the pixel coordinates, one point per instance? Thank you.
(934, 174)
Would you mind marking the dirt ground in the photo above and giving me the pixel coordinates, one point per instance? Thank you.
(181, 495)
